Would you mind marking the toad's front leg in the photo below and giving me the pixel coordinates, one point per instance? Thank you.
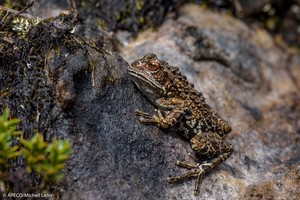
(209, 145)
(175, 107)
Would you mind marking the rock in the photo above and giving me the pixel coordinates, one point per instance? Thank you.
(253, 86)
(251, 8)
(243, 74)
(257, 92)
(48, 9)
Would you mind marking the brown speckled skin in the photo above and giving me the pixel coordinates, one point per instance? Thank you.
(181, 108)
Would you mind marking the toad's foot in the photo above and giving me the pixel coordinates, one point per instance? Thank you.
(146, 118)
(196, 170)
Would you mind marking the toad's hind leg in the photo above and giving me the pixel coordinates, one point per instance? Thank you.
(209, 145)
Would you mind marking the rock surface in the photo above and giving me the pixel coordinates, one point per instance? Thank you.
(257, 93)
(81, 91)
(249, 80)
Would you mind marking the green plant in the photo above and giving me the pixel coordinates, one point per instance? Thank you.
(45, 159)
(7, 134)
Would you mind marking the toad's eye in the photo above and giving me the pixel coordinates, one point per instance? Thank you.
(153, 66)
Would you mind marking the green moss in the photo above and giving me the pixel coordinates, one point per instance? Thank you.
(57, 52)
(92, 67)
(101, 23)
(10, 4)
(139, 4)
(118, 16)
(141, 20)
(123, 21)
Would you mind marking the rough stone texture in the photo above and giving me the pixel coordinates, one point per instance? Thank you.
(130, 15)
(258, 93)
(50, 8)
(243, 75)
(254, 86)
